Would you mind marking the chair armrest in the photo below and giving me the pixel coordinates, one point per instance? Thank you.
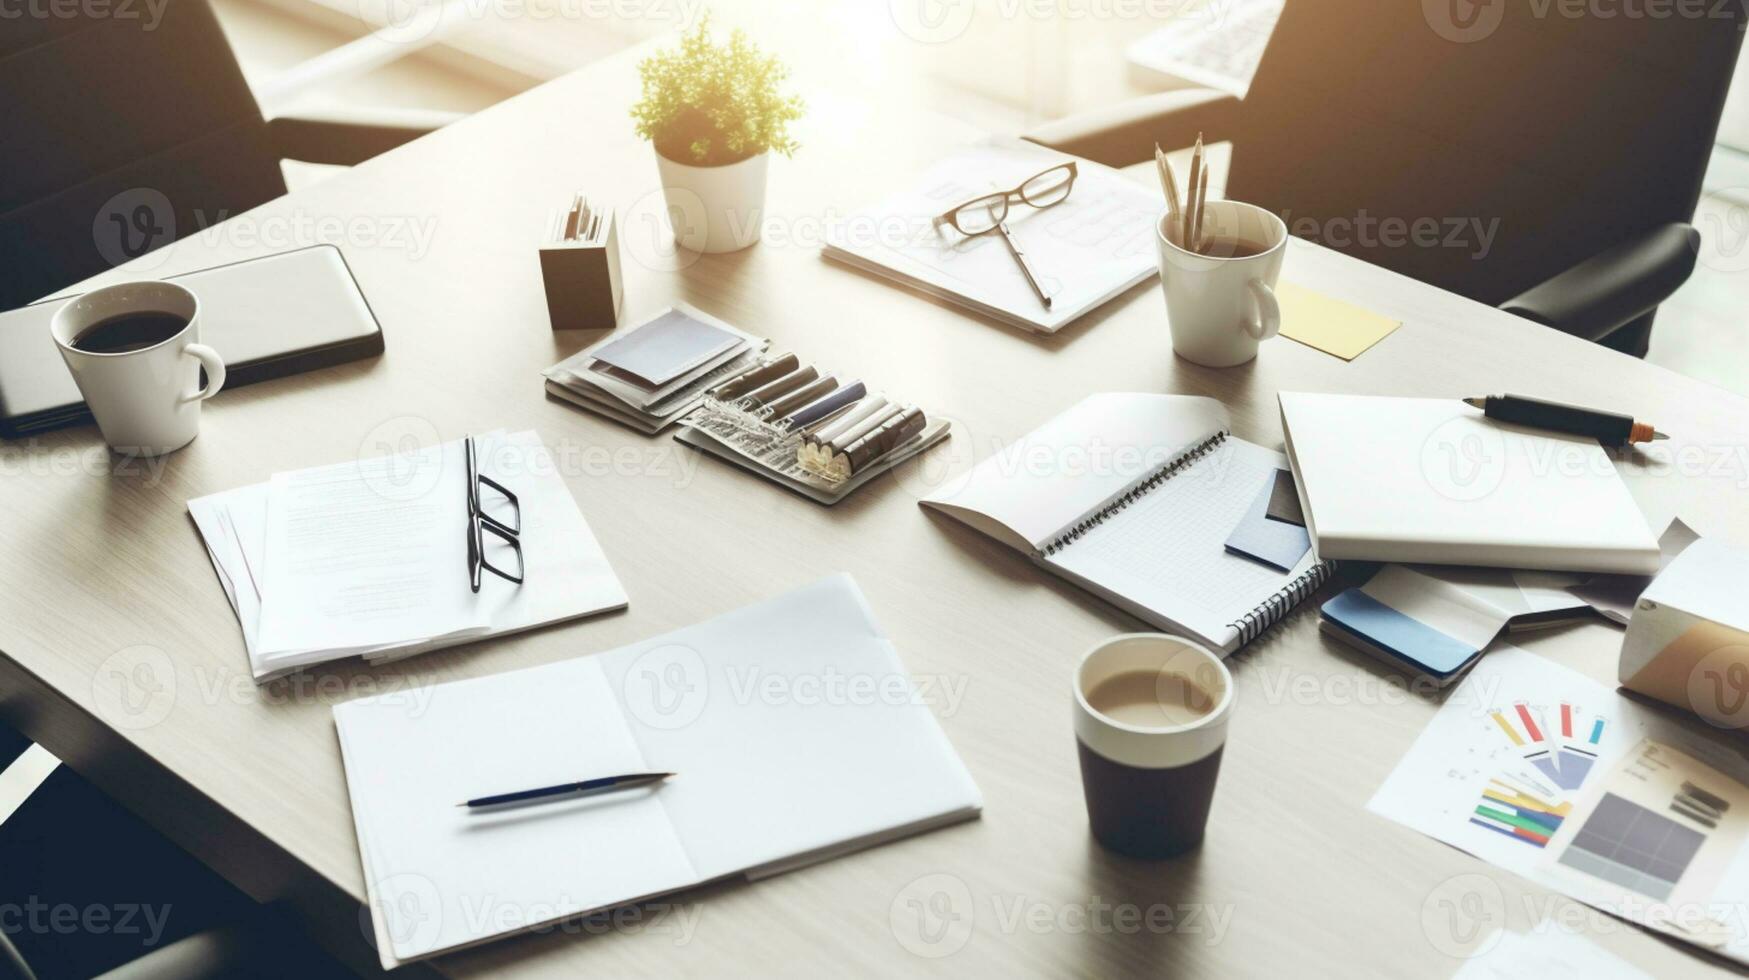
(228, 951)
(351, 138)
(1615, 286)
(1124, 134)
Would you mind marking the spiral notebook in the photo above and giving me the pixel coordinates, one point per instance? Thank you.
(1132, 497)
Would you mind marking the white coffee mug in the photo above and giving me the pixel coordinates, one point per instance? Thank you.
(1219, 307)
(147, 400)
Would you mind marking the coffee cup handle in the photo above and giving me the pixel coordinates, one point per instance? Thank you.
(215, 371)
(1268, 322)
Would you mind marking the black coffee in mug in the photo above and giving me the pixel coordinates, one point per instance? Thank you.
(1236, 247)
(129, 332)
(1150, 726)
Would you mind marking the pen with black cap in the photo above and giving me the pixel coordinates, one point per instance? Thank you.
(1606, 427)
(568, 791)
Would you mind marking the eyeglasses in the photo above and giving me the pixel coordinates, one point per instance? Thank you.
(499, 515)
(982, 215)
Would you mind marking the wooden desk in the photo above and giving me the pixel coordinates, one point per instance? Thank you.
(121, 655)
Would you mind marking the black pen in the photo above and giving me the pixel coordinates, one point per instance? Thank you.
(1606, 427)
(588, 787)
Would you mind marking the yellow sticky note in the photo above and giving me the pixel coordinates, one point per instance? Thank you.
(1330, 325)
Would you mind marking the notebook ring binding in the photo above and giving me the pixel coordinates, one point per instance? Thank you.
(1130, 496)
(1272, 609)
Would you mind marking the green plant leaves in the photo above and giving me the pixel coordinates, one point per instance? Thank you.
(712, 104)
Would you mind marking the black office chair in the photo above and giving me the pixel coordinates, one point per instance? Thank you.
(67, 846)
(119, 134)
(1585, 138)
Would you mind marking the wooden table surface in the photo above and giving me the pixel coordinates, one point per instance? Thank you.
(122, 656)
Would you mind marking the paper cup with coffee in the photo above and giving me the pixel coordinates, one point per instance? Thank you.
(1150, 722)
(1220, 295)
(135, 352)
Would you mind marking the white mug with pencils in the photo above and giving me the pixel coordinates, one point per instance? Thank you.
(1219, 262)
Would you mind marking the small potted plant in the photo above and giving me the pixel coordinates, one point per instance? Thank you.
(715, 114)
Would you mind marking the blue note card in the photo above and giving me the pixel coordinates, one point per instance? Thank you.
(1275, 543)
(1403, 637)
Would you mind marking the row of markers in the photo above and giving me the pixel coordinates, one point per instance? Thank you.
(843, 428)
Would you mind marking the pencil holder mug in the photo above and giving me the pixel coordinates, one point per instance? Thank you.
(1220, 299)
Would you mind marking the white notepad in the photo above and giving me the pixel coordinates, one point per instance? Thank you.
(1095, 244)
(1133, 497)
(1432, 480)
(774, 770)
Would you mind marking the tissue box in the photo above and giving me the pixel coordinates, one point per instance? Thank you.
(1688, 638)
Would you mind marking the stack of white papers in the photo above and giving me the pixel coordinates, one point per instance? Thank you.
(792, 729)
(1096, 243)
(369, 557)
(650, 375)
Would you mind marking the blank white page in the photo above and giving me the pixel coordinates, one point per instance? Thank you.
(1167, 552)
(792, 726)
(441, 876)
(567, 574)
(1033, 489)
(367, 553)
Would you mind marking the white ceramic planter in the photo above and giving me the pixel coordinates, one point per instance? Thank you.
(715, 209)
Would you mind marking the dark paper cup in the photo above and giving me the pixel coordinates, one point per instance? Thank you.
(1149, 781)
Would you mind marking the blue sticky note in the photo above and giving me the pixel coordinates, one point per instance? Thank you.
(1274, 543)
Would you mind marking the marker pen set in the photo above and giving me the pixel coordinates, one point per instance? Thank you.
(810, 425)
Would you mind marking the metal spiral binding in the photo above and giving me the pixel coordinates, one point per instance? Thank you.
(1129, 496)
(1253, 623)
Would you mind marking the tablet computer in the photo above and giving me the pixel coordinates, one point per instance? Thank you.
(267, 317)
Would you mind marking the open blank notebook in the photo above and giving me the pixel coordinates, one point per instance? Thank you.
(773, 771)
(1133, 497)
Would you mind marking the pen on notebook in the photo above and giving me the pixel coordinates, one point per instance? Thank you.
(587, 787)
(1025, 265)
(1606, 427)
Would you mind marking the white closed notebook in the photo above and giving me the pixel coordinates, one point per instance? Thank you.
(794, 732)
(1432, 480)
(1133, 497)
